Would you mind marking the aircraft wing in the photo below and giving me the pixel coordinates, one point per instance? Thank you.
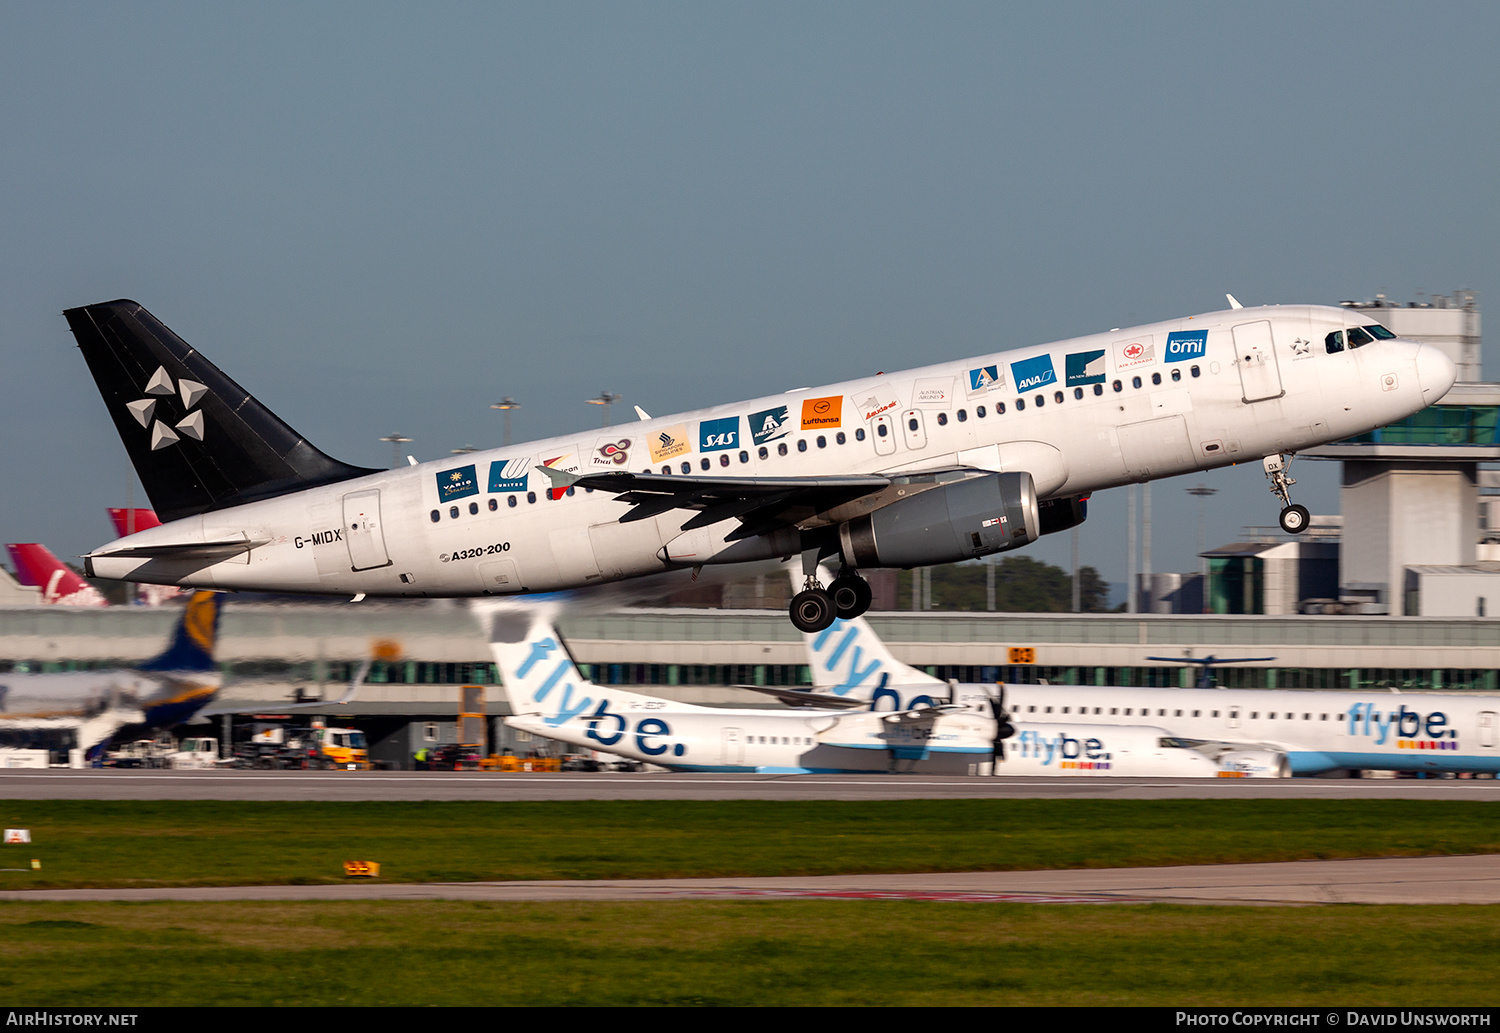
(762, 504)
(801, 698)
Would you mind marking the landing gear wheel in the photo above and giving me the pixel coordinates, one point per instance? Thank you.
(851, 596)
(812, 610)
(1294, 519)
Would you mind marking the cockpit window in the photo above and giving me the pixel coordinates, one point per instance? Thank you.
(1379, 332)
(1334, 342)
(1358, 338)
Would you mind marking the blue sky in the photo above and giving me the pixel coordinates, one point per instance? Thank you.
(384, 217)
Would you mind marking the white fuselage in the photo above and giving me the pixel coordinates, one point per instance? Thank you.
(1216, 389)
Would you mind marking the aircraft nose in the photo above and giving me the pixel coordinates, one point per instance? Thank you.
(1435, 372)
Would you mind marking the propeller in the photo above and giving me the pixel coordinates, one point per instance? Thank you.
(1003, 728)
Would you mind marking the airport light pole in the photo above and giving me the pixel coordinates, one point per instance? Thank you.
(463, 450)
(606, 399)
(1202, 492)
(505, 405)
(396, 441)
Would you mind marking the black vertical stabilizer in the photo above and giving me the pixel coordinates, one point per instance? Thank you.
(198, 440)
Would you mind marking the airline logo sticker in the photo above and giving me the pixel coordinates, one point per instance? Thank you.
(669, 443)
(818, 413)
(160, 385)
(509, 474)
(1084, 368)
(985, 378)
(933, 393)
(1136, 353)
(567, 463)
(769, 424)
(717, 435)
(1033, 372)
(612, 454)
(457, 484)
(875, 403)
(1186, 344)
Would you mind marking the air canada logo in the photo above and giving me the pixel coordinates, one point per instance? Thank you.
(160, 386)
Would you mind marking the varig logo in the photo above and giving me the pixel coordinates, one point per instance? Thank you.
(458, 483)
(160, 385)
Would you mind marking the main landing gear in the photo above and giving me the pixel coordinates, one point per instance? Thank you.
(813, 609)
(1294, 519)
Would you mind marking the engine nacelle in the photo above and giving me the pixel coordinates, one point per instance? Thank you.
(1254, 764)
(1063, 514)
(958, 521)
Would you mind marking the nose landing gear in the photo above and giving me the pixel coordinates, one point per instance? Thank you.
(1294, 519)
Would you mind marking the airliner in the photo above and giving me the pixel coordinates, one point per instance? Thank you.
(88, 709)
(949, 462)
(38, 567)
(1260, 730)
(550, 697)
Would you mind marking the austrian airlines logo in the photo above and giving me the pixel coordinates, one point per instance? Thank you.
(160, 385)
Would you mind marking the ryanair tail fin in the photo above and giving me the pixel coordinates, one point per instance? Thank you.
(192, 645)
(197, 439)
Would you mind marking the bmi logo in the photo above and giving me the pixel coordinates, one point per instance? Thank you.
(161, 386)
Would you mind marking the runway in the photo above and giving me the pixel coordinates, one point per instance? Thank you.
(94, 784)
(1400, 880)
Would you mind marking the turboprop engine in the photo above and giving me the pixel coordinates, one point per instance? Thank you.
(957, 521)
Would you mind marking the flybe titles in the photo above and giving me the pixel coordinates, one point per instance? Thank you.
(1365, 720)
(1083, 754)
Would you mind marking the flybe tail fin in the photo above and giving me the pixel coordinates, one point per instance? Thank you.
(848, 659)
(534, 662)
(192, 645)
(197, 439)
(38, 567)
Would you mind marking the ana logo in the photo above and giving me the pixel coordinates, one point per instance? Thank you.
(160, 385)
(1033, 372)
(457, 484)
(717, 435)
(613, 453)
(769, 424)
(1186, 344)
(509, 474)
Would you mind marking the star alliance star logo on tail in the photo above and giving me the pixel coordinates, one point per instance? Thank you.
(160, 385)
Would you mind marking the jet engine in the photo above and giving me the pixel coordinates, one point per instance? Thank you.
(1254, 764)
(957, 521)
(1063, 514)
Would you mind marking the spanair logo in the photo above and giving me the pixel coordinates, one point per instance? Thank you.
(985, 378)
(160, 385)
(718, 435)
(1135, 353)
(1084, 368)
(1033, 372)
(769, 424)
(1187, 344)
(671, 442)
(457, 484)
(509, 474)
(612, 454)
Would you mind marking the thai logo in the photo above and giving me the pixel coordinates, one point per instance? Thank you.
(613, 453)
(1034, 372)
(769, 424)
(717, 435)
(1186, 344)
(458, 483)
(160, 386)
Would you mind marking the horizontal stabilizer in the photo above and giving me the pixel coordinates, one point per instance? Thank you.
(185, 551)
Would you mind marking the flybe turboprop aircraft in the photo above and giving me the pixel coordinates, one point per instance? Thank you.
(1248, 730)
(934, 465)
(548, 696)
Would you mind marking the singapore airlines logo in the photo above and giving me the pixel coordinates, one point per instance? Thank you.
(160, 385)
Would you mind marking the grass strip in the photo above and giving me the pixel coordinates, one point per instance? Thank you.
(216, 843)
(743, 953)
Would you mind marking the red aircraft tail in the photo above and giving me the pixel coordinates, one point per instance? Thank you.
(36, 566)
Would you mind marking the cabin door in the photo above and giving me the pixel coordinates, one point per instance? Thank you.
(1255, 355)
(362, 532)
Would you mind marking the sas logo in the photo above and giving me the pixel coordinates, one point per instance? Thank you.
(1034, 372)
(669, 443)
(160, 385)
(612, 454)
(1187, 344)
(457, 484)
(1136, 353)
(985, 378)
(769, 424)
(819, 413)
(1084, 368)
(717, 435)
(509, 474)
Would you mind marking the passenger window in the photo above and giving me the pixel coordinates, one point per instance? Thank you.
(745, 456)
(911, 424)
(473, 509)
(942, 421)
(1135, 381)
(453, 512)
(1194, 371)
(781, 449)
(763, 453)
(724, 458)
(1020, 404)
(1334, 342)
(687, 467)
(979, 412)
(1156, 378)
(839, 438)
(822, 441)
(436, 516)
(999, 408)
(963, 416)
(667, 470)
(511, 501)
(531, 496)
(1077, 392)
(882, 429)
(1057, 396)
(1176, 375)
(1098, 390)
(705, 464)
(859, 435)
(1039, 401)
(801, 444)
(1119, 386)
